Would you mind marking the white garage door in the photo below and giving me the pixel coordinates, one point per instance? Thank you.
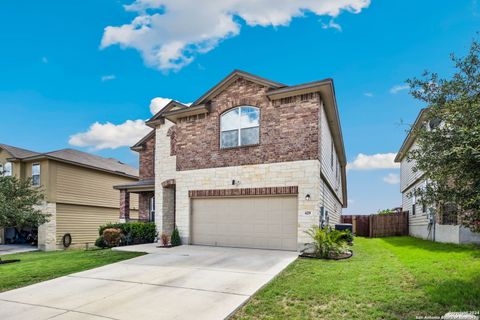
(249, 222)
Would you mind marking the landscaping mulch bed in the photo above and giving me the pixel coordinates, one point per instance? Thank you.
(342, 256)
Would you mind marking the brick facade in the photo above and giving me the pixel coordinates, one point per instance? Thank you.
(124, 205)
(147, 159)
(266, 191)
(289, 130)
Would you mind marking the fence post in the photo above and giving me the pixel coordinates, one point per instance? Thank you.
(370, 227)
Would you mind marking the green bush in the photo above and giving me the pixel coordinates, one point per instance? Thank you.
(133, 232)
(100, 242)
(327, 243)
(348, 236)
(175, 239)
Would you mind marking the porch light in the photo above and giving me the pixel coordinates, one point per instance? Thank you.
(307, 197)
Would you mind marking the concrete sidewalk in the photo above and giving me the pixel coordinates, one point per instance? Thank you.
(187, 282)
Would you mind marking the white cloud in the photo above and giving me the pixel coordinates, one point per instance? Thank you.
(169, 33)
(110, 136)
(158, 103)
(368, 94)
(396, 89)
(392, 178)
(108, 77)
(44, 60)
(332, 24)
(373, 162)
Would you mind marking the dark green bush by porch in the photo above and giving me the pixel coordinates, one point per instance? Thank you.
(133, 232)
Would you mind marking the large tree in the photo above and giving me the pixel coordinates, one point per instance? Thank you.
(448, 144)
(19, 203)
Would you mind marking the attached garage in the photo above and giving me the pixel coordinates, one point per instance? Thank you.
(269, 222)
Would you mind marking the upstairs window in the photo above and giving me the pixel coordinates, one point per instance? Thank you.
(7, 169)
(36, 174)
(240, 127)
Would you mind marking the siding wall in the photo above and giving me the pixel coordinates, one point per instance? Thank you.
(81, 186)
(82, 222)
(331, 173)
(407, 176)
(420, 218)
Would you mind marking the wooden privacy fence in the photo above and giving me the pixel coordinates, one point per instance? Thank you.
(379, 225)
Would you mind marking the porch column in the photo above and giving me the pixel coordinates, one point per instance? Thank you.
(124, 205)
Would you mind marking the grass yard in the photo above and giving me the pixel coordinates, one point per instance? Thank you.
(388, 278)
(40, 266)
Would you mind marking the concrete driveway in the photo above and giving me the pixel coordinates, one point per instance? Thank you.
(15, 248)
(187, 282)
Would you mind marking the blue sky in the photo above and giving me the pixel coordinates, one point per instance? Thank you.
(61, 71)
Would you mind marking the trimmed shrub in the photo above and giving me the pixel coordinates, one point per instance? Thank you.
(100, 242)
(111, 237)
(133, 232)
(175, 239)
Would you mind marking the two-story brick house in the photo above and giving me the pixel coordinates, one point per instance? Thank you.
(251, 163)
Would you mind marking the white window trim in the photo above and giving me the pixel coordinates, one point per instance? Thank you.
(239, 129)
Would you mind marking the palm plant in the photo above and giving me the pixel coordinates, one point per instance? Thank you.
(327, 242)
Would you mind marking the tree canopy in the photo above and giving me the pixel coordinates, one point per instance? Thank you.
(19, 203)
(448, 144)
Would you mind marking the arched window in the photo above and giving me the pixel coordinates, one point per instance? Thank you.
(240, 127)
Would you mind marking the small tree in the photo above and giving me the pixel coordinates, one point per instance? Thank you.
(448, 146)
(385, 211)
(175, 239)
(18, 201)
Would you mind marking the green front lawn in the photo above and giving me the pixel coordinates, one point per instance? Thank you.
(388, 278)
(40, 266)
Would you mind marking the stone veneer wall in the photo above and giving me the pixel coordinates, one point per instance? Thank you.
(304, 174)
(165, 169)
(47, 232)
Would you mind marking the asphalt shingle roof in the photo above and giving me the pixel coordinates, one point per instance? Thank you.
(88, 159)
(18, 153)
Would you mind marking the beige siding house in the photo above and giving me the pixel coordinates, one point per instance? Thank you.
(251, 163)
(424, 222)
(78, 191)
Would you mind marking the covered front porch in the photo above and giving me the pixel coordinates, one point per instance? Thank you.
(146, 200)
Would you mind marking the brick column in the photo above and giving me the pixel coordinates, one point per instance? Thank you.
(124, 205)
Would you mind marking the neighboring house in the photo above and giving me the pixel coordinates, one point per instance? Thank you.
(78, 191)
(424, 222)
(251, 163)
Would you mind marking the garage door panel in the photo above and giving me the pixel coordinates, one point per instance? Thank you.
(253, 222)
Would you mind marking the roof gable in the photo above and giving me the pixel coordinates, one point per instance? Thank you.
(171, 106)
(410, 138)
(137, 146)
(232, 77)
(18, 153)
